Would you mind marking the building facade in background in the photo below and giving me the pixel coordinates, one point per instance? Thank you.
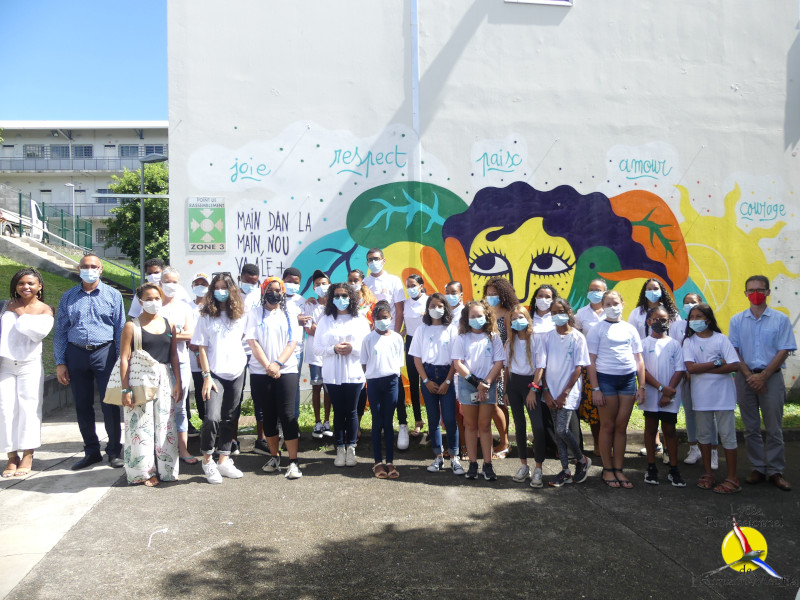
(41, 157)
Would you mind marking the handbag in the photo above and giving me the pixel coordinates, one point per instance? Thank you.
(143, 375)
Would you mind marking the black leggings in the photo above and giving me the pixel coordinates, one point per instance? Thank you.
(517, 389)
(276, 397)
(413, 387)
(197, 378)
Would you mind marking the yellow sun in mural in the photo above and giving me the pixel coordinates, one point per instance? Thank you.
(722, 256)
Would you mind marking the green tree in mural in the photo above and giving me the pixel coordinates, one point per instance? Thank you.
(123, 228)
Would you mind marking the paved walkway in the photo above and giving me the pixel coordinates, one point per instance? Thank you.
(340, 533)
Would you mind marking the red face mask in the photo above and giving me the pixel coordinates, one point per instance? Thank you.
(756, 298)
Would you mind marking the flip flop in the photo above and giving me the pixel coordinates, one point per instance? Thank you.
(189, 460)
(380, 471)
(392, 472)
(612, 483)
(624, 483)
(728, 486)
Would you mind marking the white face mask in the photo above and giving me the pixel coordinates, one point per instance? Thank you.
(613, 312)
(200, 290)
(321, 290)
(543, 303)
(170, 289)
(151, 306)
(436, 313)
(154, 278)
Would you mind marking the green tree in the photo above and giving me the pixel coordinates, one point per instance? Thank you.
(123, 229)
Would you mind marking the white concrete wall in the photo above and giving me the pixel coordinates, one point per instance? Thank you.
(678, 108)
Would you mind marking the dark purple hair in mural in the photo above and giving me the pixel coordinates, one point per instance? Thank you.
(600, 239)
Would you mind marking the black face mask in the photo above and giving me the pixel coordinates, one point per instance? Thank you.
(273, 297)
(660, 327)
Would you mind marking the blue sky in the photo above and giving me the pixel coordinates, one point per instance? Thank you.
(84, 59)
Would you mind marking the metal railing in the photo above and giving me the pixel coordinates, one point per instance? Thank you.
(66, 226)
(69, 164)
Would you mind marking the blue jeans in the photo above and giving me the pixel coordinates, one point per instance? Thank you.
(344, 400)
(440, 406)
(382, 404)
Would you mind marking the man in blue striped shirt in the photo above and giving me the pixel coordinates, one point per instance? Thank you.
(86, 345)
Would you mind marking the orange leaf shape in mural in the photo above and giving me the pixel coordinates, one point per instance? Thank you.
(657, 230)
(459, 266)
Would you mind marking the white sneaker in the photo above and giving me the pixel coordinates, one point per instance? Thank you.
(229, 470)
(693, 456)
(714, 459)
(437, 464)
(326, 430)
(536, 479)
(350, 457)
(455, 465)
(272, 465)
(211, 472)
(340, 460)
(523, 473)
(293, 472)
(402, 438)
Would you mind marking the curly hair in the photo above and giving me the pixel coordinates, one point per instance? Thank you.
(666, 299)
(19, 275)
(447, 317)
(489, 327)
(708, 313)
(546, 286)
(352, 308)
(505, 291)
(211, 307)
(513, 334)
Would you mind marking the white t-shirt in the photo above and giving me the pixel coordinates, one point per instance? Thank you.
(412, 313)
(614, 344)
(383, 355)
(711, 391)
(519, 364)
(316, 310)
(192, 356)
(662, 359)
(477, 352)
(433, 344)
(542, 324)
(336, 368)
(223, 341)
(387, 287)
(271, 329)
(586, 318)
(179, 313)
(456, 310)
(677, 330)
(561, 355)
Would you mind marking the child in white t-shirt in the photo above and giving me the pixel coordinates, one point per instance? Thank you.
(663, 375)
(382, 357)
(711, 360)
(315, 309)
(563, 352)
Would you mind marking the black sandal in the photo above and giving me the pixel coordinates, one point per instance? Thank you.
(625, 483)
(612, 483)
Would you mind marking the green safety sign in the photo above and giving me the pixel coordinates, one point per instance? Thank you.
(206, 221)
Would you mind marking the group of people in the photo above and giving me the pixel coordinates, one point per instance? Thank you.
(469, 361)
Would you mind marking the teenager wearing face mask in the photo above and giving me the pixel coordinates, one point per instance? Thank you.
(587, 317)
(337, 341)
(390, 288)
(710, 359)
(218, 336)
(413, 311)
(617, 376)
(454, 294)
(664, 370)
(763, 338)
(272, 332)
(295, 304)
(382, 358)
(430, 350)
(199, 290)
(366, 304)
(315, 309)
(151, 449)
(152, 274)
(180, 315)
(540, 308)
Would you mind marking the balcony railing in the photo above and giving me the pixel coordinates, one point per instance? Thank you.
(68, 164)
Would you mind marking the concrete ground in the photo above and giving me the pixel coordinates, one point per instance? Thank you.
(341, 533)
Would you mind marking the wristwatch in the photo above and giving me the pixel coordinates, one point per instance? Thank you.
(661, 387)
(447, 381)
(426, 380)
(597, 389)
(718, 362)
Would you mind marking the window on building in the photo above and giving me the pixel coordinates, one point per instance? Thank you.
(59, 151)
(106, 200)
(33, 150)
(83, 151)
(129, 151)
(101, 235)
(154, 149)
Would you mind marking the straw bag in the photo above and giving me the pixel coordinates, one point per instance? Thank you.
(143, 375)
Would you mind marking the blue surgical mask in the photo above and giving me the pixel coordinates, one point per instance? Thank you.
(247, 287)
(453, 299)
(375, 266)
(688, 307)
(560, 319)
(477, 322)
(520, 324)
(291, 288)
(200, 290)
(90, 275)
(221, 295)
(653, 295)
(382, 324)
(341, 303)
(493, 300)
(595, 297)
(698, 325)
(413, 292)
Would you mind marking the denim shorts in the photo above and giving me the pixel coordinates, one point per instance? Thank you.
(465, 392)
(315, 372)
(617, 385)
